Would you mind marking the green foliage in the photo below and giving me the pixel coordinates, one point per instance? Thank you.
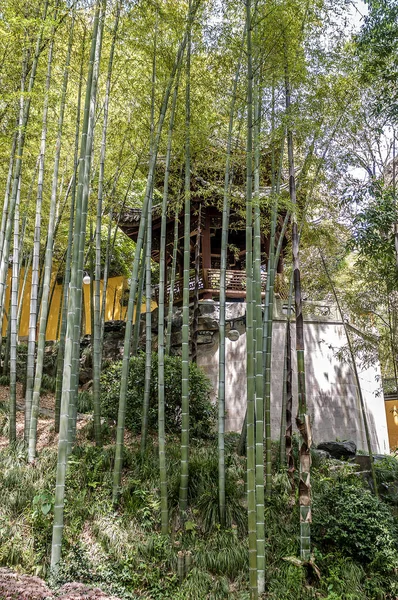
(84, 401)
(377, 47)
(202, 413)
(373, 232)
(123, 553)
(353, 521)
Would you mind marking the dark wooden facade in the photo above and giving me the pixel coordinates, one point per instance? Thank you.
(206, 224)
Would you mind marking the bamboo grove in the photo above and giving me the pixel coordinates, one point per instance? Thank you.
(97, 116)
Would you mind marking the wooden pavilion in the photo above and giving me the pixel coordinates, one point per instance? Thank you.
(206, 222)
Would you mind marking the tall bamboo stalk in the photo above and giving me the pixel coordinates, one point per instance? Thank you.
(148, 273)
(250, 382)
(302, 418)
(72, 325)
(45, 304)
(134, 274)
(148, 330)
(13, 323)
(36, 260)
(161, 337)
(68, 260)
(223, 268)
(356, 374)
(18, 162)
(96, 333)
(85, 190)
(258, 340)
(183, 496)
(170, 298)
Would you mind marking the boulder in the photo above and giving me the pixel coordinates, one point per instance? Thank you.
(339, 450)
(321, 455)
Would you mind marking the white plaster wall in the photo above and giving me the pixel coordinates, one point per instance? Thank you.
(332, 395)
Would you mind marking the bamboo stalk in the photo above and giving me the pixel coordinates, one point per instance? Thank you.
(183, 495)
(161, 337)
(48, 253)
(302, 419)
(13, 323)
(356, 374)
(251, 431)
(134, 274)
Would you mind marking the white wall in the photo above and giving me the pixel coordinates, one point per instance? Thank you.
(332, 395)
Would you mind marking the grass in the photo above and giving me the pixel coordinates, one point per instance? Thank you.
(123, 552)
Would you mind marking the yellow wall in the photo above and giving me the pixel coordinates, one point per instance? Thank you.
(392, 422)
(113, 310)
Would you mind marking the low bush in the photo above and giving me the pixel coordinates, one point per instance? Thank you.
(202, 413)
(353, 521)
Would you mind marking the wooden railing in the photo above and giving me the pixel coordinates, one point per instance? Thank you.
(209, 284)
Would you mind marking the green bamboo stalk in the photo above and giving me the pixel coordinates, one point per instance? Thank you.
(137, 321)
(148, 274)
(72, 307)
(356, 374)
(45, 304)
(161, 337)
(27, 261)
(4, 215)
(258, 338)
(183, 495)
(251, 431)
(18, 167)
(148, 331)
(68, 260)
(134, 274)
(84, 184)
(96, 333)
(36, 260)
(223, 267)
(172, 283)
(302, 419)
(13, 323)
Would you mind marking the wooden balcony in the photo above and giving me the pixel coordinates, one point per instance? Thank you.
(209, 285)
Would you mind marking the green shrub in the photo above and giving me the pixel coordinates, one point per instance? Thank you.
(202, 413)
(352, 520)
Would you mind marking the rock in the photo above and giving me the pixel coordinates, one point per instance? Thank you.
(321, 455)
(339, 450)
(114, 326)
(85, 376)
(363, 460)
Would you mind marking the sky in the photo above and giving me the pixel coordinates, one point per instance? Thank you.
(358, 11)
